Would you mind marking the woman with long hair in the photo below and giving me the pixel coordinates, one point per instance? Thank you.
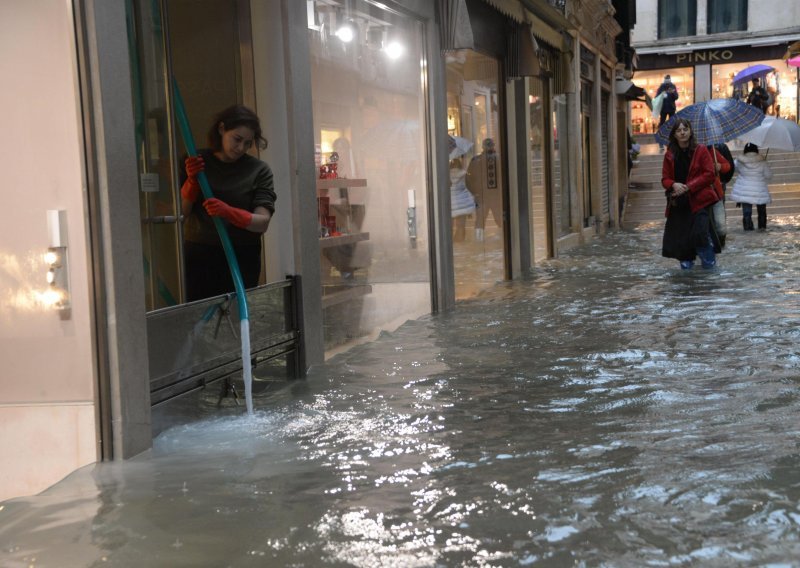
(244, 198)
(687, 176)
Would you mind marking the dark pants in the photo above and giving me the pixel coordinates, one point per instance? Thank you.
(208, 273)
(747, 215)
(665, 116)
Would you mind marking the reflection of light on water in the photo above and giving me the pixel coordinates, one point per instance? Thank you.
(604, 413)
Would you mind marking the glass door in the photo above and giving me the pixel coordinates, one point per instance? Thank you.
(476, 172)
(170, 37)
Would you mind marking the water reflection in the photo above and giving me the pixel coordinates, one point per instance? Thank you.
(612, 410)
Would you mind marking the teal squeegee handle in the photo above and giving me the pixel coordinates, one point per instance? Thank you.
(205, 188)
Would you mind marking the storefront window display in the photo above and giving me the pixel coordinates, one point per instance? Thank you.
(642, 119)
(367, 73)
(781, 84)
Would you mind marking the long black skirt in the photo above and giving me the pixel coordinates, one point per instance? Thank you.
(685, 230)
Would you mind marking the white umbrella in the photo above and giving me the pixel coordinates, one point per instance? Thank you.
(458, 146)
(777, 133)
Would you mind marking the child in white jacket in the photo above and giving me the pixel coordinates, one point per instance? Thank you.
(750, 187)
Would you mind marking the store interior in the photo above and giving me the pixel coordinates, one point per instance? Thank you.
(370, 127)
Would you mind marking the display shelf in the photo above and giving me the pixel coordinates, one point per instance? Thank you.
(327, 242)
(338, 183)
(336, 294)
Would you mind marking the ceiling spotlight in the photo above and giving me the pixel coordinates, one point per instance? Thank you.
(347, 31)
(394, 49)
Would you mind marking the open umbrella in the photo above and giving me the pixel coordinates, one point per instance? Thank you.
(458, 146)
(777, 133)
(715, 121)
(752, 72)
(794, 50)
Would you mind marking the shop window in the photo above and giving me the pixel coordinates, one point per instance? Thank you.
(677, 18)
(727, 16)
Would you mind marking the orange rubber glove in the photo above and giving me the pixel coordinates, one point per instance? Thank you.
(233, 215)
(190, 189)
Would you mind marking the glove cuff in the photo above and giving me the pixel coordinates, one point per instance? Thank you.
(190, 190)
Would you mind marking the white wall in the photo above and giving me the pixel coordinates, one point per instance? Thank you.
(646, 28)
(47, 409)
(766, 15)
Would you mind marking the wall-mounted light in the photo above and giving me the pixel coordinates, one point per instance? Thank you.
(57, 277)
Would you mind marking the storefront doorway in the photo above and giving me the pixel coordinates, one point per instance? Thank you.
(642, 119)
(476, 171)
(170, 39)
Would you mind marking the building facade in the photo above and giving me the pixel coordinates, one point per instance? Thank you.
(704, 44)
(372, 111)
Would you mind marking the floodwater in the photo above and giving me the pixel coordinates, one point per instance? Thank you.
(611, 411)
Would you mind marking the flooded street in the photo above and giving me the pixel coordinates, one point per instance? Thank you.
(613, 410)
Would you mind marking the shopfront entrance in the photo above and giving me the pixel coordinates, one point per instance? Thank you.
(476, 171)
(705, 74)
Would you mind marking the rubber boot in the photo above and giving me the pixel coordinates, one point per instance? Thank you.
(747, 222)
(762, 219)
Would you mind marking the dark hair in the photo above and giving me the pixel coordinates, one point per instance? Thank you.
(673, 144)
(234, 117)
(750, 148)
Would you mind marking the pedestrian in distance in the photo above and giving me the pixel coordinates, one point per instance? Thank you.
(724, 168)
(668, 106)
(758, 96)
(687, 176)
(244, 198)
(752, 186)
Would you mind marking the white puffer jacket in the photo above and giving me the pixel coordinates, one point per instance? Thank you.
(752, 174)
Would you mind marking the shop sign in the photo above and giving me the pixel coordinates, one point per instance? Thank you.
(716, 56)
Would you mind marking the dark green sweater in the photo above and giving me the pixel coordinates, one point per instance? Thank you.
(245, 183)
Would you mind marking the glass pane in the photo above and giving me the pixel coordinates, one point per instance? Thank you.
(780, 85)
(476, 184)
(367, 74)
(540, 225)
(560, 167)
(727, 16)
(642, 119)
(677, 18)
(156, 199)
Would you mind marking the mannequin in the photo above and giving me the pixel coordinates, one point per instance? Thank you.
(485, 182)
(462, 202)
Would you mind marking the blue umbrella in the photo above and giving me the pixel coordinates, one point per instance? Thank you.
(715, 121)
(751, 72)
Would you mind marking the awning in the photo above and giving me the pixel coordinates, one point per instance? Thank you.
(793, 51)
(522, 58)
(631, 92)
(454, 25)
(511, 8)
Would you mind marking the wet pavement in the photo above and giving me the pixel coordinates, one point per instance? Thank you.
(611, 411)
